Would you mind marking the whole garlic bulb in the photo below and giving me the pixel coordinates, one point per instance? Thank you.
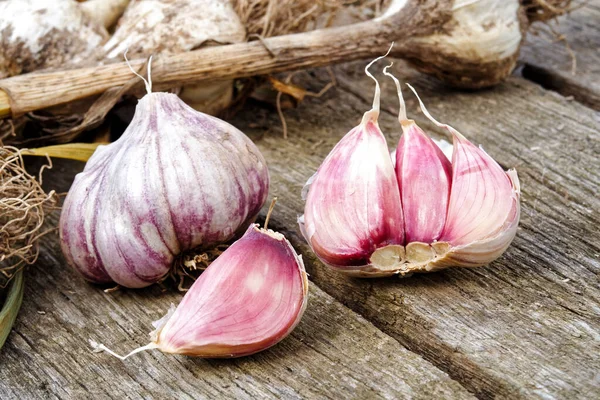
(36, 34)
(153, 27)
(175, 180)
(367, 217)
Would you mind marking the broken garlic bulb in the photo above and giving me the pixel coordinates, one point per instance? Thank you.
(246, 301)
(462, 212)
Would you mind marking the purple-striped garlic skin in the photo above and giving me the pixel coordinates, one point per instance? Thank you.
(247, 300)
(176, 179)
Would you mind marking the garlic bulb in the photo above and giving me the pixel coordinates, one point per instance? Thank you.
(36, 34)
(175, 180)
(247, 300)
(152, 27)
(477, 48)
(366, 219)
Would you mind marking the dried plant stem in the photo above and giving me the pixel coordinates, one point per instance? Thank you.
(292, 52)
(23, 208)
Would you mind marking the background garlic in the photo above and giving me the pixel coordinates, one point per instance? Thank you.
(37, 34)
(153, 27)
(362, 220)
(175, 180)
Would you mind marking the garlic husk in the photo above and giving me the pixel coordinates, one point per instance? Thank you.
(154, 27)
(246, 301)
(36, 34)
(353, 203)
(177, 179)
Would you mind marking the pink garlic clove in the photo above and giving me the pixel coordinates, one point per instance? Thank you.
(482, 199)
(424, 176)
(353, 203)
(246, 301)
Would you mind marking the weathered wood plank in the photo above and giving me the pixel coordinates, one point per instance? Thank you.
(528, 325)
(333, 353)
(549, 63)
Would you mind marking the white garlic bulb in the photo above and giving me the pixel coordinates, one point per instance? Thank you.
(175, 180)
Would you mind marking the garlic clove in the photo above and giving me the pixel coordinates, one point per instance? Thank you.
(246, 301)
(353, 203)
(424, 177)
(482, 200)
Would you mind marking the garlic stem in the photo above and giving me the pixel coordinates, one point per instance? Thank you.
(453, 131)
(148, 82)
(402, 112)
(98, 347)
(374, 112)
(271, 207)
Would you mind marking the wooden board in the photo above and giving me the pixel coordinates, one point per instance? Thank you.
(550, 63)
(526, 326)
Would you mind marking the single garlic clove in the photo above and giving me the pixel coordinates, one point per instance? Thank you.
(246, 301)
(249, 299)
(175, 180)
(353, 205)
(483, 200)
(424, 177)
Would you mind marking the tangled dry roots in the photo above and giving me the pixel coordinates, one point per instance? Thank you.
(23, 207)
(267, 18)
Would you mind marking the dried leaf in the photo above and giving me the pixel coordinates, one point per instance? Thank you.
(288, 88)
(11, 306)
(72, 151)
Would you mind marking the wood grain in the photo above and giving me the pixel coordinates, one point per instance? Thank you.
(333, 353)
(548, 61)
(526, 326)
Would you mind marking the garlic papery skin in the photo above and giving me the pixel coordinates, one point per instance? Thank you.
(37, 34)
(246, 301)
(459, 213)
(177, 179)
(353, 202)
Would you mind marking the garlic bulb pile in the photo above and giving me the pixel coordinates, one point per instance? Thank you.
(153, 27)
(367, 217)
(247, 300)
(177, 179)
